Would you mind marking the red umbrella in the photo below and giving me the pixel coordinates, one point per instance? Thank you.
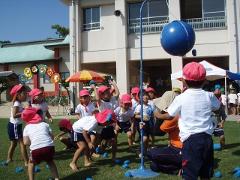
(85, 76)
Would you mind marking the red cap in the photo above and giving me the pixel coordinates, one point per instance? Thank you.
(106, 117)
(126, 99)
(135, 90)
(149, 89)
(84, 92)
(15, 89)
(35, 92)
(30, 115)
(65, 123)
(102, 89)
(194, 71)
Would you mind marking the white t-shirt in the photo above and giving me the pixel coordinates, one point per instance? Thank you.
(39, 135)
(112, 104)
(20, 109)
(85, 110)
(194, 107)
(150, 102)
(232, 98)
(224, 99)
(123, 116)
(87, 123)
(134, 104)
(44, 107)
(147, 111)
(238, 94)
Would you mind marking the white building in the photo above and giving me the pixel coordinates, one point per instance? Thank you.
(104, 36)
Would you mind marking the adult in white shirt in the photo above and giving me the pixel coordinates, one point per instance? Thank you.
(232, 101)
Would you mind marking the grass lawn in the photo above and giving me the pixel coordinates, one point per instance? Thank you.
(103, 169)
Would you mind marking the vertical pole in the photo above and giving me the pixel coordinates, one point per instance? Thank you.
(141, 84)
(226, 94)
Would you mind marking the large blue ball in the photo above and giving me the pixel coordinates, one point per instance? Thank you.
(177, 38)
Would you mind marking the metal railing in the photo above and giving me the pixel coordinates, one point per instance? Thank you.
(216, 22)
(91, 26)
(149, 25)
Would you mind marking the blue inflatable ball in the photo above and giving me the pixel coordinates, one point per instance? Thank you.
(217, 174)
(19, 169)
(89, 178)
(177, 38)
(105, 155)
(126, 162)
(236, 169)
(98, 150)
(128, 174)
(117, 161)
(237, 174)
(216, 147)
(125, 166)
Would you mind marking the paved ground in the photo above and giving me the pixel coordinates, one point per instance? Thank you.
(61, 112)
(55, 111)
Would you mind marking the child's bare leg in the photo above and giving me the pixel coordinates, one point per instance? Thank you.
(152, 139)
(222, 141)
(81, 147)
(11, 150)
(145, 142)
(134, 130)
(130, 142)
(114, 148)
(23, 152)
(53, 169)
(87, 161)
(30, 170)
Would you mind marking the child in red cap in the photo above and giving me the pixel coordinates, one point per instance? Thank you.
(105, 100)
(19, 94)
(124, 115)
(80, 135)
(135, 102)
(194, 107)
(86, 107)
(38, 135)
(37, 101)
(65, 126)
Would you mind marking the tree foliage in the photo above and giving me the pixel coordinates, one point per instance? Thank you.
(61, 31)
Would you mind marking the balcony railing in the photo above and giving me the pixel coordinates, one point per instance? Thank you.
(150, 25)
(216, 22)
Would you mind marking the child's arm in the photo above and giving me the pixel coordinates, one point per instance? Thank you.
(26, 141)
(117, 93)
(98, 100)
(49, 116)
(16, 113)
(59, 135)
(164, 116)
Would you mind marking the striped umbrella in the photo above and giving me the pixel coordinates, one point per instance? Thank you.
(85, 76)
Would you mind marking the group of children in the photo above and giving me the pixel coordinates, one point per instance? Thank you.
(100, 122)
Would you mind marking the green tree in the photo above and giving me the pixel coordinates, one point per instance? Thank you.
(61, 31)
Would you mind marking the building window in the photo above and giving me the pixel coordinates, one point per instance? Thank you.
(91, 18)
(213, 8)
(46, 79)
(155, 15)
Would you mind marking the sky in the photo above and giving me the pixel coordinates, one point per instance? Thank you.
(29, 20)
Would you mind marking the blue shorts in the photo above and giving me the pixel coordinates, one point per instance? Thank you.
(125, 126)
(77, 137)
(14, 131)
(197, 157)
(108, 133)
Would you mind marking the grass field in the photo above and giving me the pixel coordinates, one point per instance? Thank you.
(103, 168)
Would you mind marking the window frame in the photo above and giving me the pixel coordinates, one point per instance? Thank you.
(85, 26)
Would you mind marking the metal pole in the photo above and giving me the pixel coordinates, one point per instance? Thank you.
(141, 83)
(226, 95)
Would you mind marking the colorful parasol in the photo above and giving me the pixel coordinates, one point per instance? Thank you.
(85, 76)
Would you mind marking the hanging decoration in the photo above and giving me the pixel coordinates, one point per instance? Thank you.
(55, 78)
(49, 71)
(28, 73)
(34, 69)
(42, 68)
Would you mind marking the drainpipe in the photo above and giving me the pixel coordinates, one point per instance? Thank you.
(236, 34)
